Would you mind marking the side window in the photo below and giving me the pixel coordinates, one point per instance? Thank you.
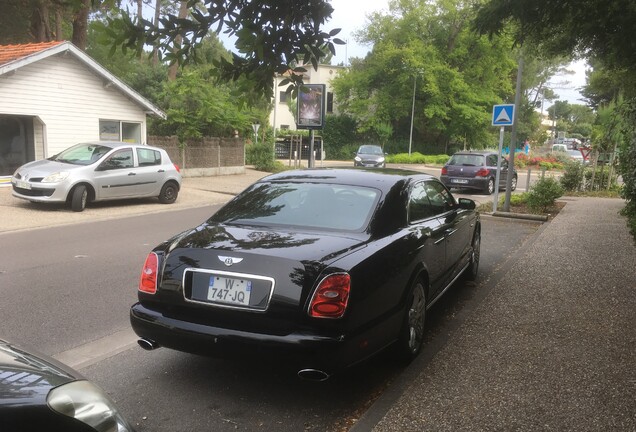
(441, 200)
(492, 160)
(118, 160)
(419, 204)
(148, 157)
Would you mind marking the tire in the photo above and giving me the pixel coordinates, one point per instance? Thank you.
(412, 333)
(513, 184)
(79, 198)
(490, 188)
(169, 193)
(473, 267)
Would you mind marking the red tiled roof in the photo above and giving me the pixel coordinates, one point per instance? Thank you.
(9, 53)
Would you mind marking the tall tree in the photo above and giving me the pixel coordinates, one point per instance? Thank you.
(27, 21)
(178, 39)
(427, 50)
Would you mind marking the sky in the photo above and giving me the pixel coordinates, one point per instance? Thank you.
(351, 16)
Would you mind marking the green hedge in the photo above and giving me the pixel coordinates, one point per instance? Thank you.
(417, 158)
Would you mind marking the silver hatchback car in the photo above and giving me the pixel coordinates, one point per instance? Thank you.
(99, 171)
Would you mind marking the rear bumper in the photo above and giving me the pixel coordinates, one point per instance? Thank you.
(300, 349)
(480, 183)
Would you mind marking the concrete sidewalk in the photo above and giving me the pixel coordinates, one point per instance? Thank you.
(552, 347)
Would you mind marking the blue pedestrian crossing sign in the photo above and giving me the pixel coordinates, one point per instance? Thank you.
(503, 115)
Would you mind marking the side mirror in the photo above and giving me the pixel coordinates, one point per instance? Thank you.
(467, 204)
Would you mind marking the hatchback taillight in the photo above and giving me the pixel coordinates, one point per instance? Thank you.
(176, 167)
(331, 297)
(444, 171)
(482, 173)
(148, 279)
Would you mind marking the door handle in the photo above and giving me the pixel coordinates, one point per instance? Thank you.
(450, 232)
(162, 170)
(131, 174)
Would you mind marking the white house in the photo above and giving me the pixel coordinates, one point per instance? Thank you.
(53, 95)
(281, 117)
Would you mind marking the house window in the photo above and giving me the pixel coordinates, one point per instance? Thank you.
(282, 97)
(116, 130)
(330, 102)
(284, 127)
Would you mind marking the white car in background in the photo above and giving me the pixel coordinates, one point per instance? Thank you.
(576, 156)
(99, 171)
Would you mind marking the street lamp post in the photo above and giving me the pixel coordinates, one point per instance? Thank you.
(412, 114)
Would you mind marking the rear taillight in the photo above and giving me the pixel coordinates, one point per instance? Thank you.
(176, 167)
(331, 297)
(482, 173)
(444, 171)
(148, 279)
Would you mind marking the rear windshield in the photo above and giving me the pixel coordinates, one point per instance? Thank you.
(304, 205)
(467, 160)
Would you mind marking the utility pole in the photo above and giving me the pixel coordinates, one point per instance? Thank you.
(513, 136)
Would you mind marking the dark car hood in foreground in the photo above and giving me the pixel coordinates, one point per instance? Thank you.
(26, 378)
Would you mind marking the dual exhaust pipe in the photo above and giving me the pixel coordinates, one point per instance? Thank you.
(313, 375)
(147, 344)
(306, 374)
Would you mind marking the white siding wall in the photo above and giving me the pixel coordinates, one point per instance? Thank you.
(68, 98)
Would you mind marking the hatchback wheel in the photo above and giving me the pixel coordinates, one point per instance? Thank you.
(490, 188)
(79, 198)
(169, 193)
(513, 184)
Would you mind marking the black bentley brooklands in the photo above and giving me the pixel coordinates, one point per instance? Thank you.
(321, 267)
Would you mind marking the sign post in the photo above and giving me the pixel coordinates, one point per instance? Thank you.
(311, 112)
(502, 115)
(255, 127)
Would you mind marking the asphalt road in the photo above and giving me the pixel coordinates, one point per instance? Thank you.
(66, 290)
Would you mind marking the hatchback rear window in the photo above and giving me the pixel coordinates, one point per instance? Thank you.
(467, 160)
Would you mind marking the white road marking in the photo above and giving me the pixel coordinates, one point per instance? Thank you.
(98, 350)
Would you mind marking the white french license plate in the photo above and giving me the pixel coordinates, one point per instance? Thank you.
(460, 181)
(22, 184)
(229, 291)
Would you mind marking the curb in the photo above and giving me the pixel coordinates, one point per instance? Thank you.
(524, 216)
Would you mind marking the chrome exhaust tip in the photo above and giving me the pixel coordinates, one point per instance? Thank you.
(147, 344)
(313, 375)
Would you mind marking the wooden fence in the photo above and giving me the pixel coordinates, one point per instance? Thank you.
(204, 157)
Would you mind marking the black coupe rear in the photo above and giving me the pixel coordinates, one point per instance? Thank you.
(322, 268)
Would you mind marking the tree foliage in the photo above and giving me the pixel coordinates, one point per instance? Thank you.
(428, 49)
(271, 36)
(601, 28)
